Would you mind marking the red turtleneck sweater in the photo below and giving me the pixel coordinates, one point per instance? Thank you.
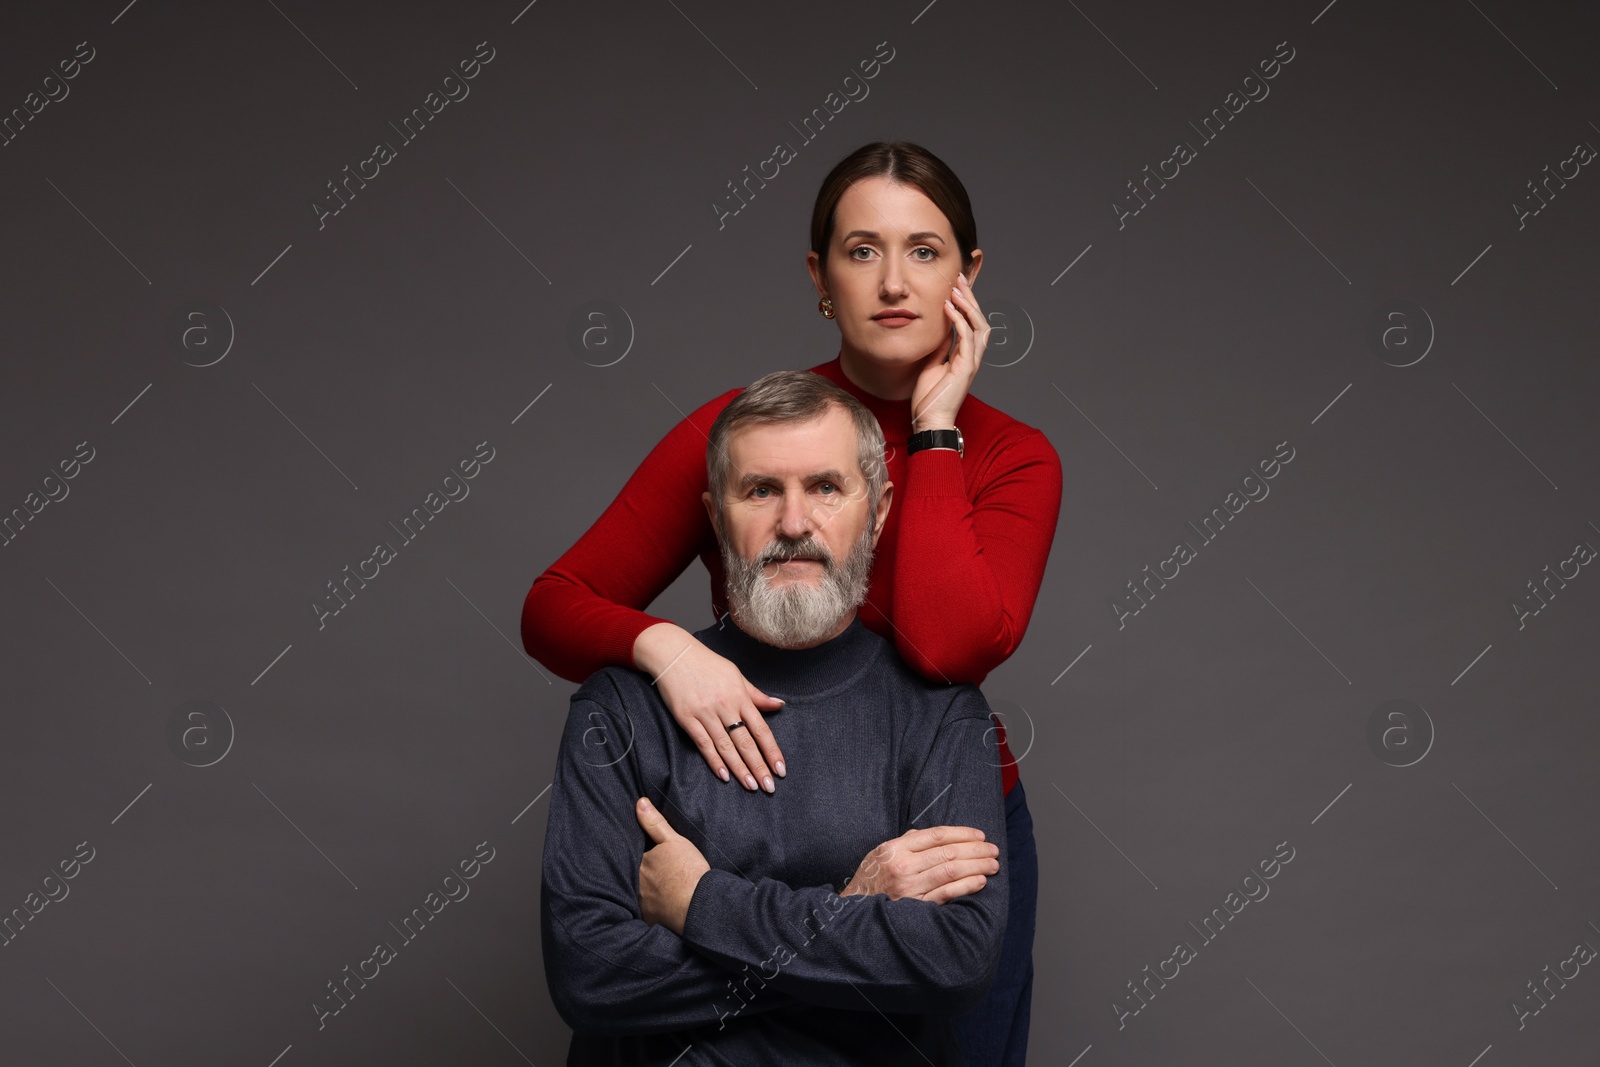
(953, 580)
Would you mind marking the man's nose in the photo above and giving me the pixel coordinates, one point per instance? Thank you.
(795, 518)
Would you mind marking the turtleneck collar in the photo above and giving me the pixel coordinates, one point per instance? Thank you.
(801, 672)
(894, 416)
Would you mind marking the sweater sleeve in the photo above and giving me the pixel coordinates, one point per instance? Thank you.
(586, 610)
(986, 554)
(609, 971)
(869, 952)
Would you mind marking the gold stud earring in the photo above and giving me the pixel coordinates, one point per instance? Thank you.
(825, 305)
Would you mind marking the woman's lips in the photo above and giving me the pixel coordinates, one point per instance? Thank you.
(895, 321)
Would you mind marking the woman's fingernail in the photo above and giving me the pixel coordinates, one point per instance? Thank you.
(767, 782)
(722, 773)
(962, 275)
(750, 780)
(782, 771)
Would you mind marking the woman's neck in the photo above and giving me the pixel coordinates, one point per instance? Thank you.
(885, 383)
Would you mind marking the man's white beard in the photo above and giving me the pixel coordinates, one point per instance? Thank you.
(796, 615)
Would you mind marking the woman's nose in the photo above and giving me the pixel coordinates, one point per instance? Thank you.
(893, 282)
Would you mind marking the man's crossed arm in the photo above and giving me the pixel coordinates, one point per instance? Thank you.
(635, 957)
(937, 865)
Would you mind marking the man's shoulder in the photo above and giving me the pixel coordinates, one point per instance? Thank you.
(619, 689)
(954, 698)
(614, 713)
(948, 700)
(963, 700)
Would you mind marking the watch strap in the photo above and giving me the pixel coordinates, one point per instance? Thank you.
(935, 439)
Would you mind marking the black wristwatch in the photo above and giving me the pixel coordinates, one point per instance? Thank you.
(936, 439)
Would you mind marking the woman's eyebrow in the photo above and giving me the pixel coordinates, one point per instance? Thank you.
(921, 235)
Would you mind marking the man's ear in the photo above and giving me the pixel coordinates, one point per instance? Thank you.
(711, 511)
(883, 512)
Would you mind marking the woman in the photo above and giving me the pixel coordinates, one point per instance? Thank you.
(958, 565)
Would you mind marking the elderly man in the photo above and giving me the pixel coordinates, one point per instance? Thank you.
(686, 924)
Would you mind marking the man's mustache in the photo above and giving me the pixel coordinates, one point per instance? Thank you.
(783, 552)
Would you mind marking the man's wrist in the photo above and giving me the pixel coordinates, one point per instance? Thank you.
(682, 918)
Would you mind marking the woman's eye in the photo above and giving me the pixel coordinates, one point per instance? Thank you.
(930, 257)
(860, 248)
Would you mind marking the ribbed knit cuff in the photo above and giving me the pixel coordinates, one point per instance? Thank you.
(700, 922)
(617, 648)
(937, 472)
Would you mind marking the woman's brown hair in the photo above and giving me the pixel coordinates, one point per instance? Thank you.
(899, 161)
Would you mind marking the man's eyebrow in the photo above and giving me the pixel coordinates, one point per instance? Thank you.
(920, 235)
(830, 475)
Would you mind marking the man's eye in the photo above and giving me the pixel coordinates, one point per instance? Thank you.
(827, 486)
(759, 492)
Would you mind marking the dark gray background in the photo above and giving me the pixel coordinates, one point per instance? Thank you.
(1230, 715)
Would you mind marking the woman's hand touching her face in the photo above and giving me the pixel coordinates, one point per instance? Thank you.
(942, 386)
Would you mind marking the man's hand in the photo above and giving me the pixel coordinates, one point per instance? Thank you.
(937, 864)
(669, 871)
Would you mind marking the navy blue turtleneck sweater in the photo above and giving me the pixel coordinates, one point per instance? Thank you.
(773, 965)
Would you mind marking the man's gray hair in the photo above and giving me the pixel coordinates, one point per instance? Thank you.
(795, 396)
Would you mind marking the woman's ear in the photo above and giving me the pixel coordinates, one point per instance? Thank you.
(818, 278)
(976, 264)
